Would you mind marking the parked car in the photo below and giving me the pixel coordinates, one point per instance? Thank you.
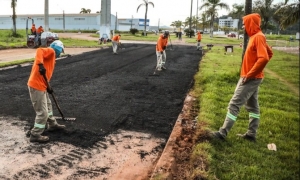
(241, 36)
(231, 35)
(98, 32)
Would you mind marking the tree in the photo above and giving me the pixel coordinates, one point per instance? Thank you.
(237, 13)
(83, 11)
(290, 12)
(264, 8)
(146, 3)
(212, 6)
(88, 11)
(14, 16)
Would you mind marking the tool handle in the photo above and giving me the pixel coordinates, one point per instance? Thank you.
(52, 94)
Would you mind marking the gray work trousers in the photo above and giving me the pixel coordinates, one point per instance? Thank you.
(115, 46)
(43, 108)
(244, 94)
(161, 59)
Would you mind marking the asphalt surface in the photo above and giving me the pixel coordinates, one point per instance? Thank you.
(107, 92)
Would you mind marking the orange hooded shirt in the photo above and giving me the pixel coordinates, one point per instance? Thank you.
(161, 42)
(116, 38)
(199, 36)
(45, 56)
(258, 53)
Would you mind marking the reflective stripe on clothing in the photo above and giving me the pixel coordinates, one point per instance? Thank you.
(42, 126)
(253, 115)
(230, 116)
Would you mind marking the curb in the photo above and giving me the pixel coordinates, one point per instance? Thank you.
(166, 163)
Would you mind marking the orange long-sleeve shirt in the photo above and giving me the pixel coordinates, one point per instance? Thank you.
(116, 38)
(45, 56)
(199, 36)
(40, 30)
(161, 42)
(258, 53)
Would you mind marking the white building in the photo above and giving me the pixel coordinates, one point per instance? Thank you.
(72, 22)
(229, 22)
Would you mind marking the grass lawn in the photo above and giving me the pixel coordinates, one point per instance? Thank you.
(237, 159)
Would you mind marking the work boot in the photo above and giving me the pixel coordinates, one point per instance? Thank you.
(247, 137)
(163, 68)
(56, 127)
(38, 138)
(217, 135)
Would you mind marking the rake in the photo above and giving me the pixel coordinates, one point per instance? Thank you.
(55, 100)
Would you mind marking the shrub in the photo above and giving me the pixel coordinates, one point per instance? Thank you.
(133, 31)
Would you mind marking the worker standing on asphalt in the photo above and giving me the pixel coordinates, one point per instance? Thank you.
(33, 29)
(256, 57)
(161, 46)
(115, 43)
(199, 37)
(43, 65)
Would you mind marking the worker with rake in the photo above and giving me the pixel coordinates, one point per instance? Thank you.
(161, 46)
(115, 43)
(199, 36)
(43, 66)
(256, 57)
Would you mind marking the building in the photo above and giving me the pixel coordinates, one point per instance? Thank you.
(57, 21)
(229, 22)
(78, 22)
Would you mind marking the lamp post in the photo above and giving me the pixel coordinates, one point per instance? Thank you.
(197, 16)
(248, 10)
(46, 16)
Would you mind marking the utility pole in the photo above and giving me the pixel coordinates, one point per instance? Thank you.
(64, 20)
(131, 21)
(116, 22)
(46, 16)
(191, 18)
(158, 26)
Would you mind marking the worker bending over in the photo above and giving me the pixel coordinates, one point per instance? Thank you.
(115, 42)
(161, 46)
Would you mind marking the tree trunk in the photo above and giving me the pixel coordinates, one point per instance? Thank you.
(145, 20)
(248, 10)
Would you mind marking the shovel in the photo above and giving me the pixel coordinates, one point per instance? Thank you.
(54, 98)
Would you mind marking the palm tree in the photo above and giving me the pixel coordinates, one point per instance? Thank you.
(88, 11)
(14, 16)
(83, 11)
(146, 3)
(290, 13)
(212, 6)
(263, 7)
(237, 13)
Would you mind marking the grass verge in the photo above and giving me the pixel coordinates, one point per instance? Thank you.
(236, 158)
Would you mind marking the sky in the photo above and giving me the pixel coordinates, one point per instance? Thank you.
(164, 12)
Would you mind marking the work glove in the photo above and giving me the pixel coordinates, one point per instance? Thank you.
(164, 47)
(49, 90)
(42, 70)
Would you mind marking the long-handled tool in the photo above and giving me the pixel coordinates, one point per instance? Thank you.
(54, 98)
(171, 43)
(154, 73)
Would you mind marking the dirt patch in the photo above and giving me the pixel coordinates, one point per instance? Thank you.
(114, 98)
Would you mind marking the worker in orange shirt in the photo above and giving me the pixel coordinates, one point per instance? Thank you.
(161, 46)
(199, 37)
(33, 29)
(40, 30)
(43, 65)
(256, 57)
(115, 43)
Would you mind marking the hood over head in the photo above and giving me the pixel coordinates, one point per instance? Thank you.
(252, 23)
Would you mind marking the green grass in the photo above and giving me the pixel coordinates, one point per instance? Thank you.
(237, 159)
